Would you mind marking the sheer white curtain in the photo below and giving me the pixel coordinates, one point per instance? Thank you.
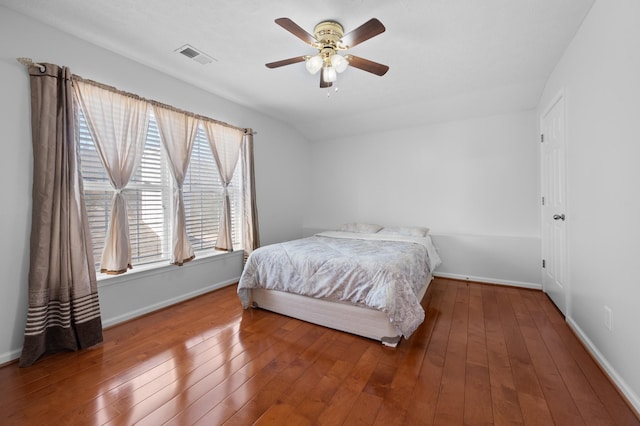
(225, 144)
(118, 125)
(250, 232)
(178, 132)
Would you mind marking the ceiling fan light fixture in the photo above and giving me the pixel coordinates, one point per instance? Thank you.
(329, 74)
(340, 63)
(314, 64)
(329, 39)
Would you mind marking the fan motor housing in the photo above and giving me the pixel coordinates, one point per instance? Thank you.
(328, 33)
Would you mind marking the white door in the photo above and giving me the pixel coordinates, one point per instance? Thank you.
(554, 219)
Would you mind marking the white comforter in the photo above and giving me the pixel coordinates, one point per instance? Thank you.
(383, 272)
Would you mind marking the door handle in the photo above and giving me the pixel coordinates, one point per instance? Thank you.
(558, 217)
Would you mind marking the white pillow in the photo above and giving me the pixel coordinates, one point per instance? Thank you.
(362, 228)
(409, 231)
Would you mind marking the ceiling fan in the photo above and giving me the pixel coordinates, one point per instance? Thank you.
(329, 39)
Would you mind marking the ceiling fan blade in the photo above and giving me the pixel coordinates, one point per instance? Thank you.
(324, 84)
(364, 32)
(285, 62)
(296, 30)
(367, 65)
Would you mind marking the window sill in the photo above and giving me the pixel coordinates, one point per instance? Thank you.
(150, 269)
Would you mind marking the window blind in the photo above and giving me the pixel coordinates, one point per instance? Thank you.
(202, 191)
(146, 195)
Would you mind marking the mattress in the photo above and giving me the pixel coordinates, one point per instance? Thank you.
(386, 273)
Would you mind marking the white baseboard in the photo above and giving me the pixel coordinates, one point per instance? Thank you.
(10, 356)
(181, 298)
(534, 286)
(629, 394)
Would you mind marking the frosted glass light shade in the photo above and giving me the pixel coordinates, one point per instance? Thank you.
(340, 63)
(329, 75)
(314, 64)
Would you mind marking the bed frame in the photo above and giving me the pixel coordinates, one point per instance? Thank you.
(353, 319)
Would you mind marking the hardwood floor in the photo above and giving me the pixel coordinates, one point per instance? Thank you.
(484, 355)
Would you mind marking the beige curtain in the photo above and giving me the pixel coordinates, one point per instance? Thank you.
(225, 144)
(250, 234)
(178, 132)
(118, 125)
(64, 312)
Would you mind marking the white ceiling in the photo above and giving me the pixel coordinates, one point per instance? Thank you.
(448, 59)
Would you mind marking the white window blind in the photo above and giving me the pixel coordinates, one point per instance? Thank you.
(146, 195)
(202, 191)
(148, 198)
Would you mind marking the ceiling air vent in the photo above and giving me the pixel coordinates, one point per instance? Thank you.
(195, 54)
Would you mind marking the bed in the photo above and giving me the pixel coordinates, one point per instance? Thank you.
(365, 280)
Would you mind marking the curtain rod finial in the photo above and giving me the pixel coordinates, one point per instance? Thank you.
(28, 62)
(25, 61)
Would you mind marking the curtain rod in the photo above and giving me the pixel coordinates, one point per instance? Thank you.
(154, 102)
(28, 62)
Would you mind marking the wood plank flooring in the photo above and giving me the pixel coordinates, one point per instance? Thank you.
(484, 355)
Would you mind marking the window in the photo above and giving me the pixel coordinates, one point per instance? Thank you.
(149, 194)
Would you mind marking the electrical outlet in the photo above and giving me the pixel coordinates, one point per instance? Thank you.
(608, 318)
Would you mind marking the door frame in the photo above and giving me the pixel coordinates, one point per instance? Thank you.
(560, 96)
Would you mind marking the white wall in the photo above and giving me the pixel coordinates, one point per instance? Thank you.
(281, 162)
(600, 77)
(473, 182)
